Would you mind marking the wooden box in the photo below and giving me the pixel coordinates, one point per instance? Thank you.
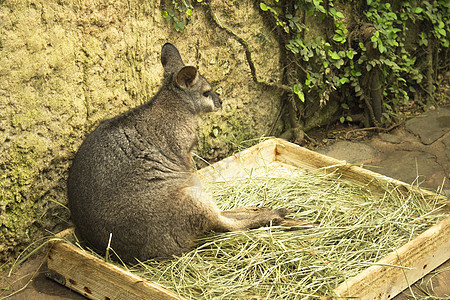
(97, 279)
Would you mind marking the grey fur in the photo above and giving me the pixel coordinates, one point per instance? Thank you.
(133, 175)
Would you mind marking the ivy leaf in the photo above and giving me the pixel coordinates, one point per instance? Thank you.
(350, 54)
(441, 31)
(179, 26)
(381, 47)
(316, 2)
(342, 119)
(339, 63)
(356, 73)
(392, 15)
(164, 14)
(339, 38)
(299, 93)
(340, 15)
(332, 11)
(334, 55)
(344, 80)
(322, 9)
(361, 45)
(292, 48)
(301, 96)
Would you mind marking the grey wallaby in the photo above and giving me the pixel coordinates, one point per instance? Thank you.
(133, 176)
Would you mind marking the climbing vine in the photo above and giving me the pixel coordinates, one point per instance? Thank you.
(179, 12)
(369, 64)
(372, 55)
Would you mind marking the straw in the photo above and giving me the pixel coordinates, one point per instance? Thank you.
(356, 228)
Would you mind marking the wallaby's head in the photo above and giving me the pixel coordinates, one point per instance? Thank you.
(188, 83)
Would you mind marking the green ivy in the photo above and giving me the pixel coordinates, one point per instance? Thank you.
(180, 13)
(341, 64)
(329, 65)
(334, 65)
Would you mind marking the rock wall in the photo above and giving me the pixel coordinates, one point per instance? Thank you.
(66, 65)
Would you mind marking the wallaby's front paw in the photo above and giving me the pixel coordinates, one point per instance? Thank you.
(282, 212)
(278, 215)
(295, 224)
(254, 217)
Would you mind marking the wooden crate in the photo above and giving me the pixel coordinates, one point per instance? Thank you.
(97, 279)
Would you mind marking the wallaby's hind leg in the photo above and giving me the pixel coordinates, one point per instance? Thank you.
(249, 217)
(248, 211)
(232, 220)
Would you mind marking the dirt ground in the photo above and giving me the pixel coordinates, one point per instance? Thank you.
(417, 152)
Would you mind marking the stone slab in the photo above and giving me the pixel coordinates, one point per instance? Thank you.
(446, 142)
(410, 167)
(430, 126)
(389, 138)
(352, 152)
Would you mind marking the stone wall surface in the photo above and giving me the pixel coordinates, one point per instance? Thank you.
(66, 65)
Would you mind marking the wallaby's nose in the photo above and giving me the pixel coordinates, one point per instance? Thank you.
(217, 101)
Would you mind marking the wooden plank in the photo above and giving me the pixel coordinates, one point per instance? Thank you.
(97, 279)
(295, 155)
(240, 164)
(420, 256)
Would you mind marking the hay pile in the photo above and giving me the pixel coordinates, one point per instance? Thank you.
(356, 228)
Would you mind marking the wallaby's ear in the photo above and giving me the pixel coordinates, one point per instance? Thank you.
(171, 58)
(186, 77)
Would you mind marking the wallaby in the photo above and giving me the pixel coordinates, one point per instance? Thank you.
(133, 176)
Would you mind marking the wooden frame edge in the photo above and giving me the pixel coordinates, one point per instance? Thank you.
(385, 279)
(402, 267)
(287, 152)
(97, 279)
(399, 269)
(235, 165)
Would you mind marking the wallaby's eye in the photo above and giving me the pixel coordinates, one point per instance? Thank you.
(207, 94)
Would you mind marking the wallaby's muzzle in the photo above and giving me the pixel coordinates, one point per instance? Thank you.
(217, 101)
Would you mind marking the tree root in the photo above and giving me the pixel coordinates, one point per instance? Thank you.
(248, 54)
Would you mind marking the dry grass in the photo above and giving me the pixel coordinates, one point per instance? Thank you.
(356, 229)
